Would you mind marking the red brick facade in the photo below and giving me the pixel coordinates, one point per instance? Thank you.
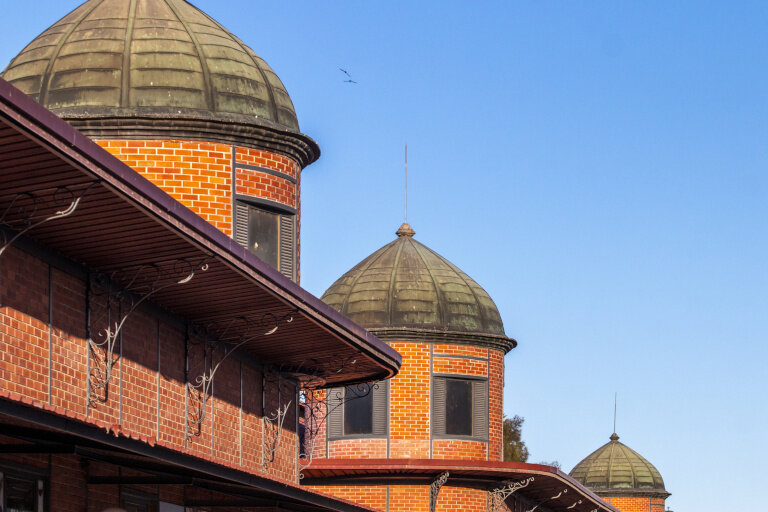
(44, 361)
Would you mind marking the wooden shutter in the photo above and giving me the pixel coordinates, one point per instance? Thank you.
(438, 406)
(380, 408)
(335, 427)
(287, 245)
(241, 224)
(480, 409)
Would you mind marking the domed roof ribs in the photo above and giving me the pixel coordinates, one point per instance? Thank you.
(463, 277)
(610, 466)
(438, 291)
(392, 283)
(210, 98)
(631, 466)
(372, 259)
(62, 40)
(125, 97)
(267, 86)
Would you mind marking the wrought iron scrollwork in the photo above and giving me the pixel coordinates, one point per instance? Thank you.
(574, 505)
(499, 495)
(553, 498)
(273, 433)
(434, 489)
(124, 291)
(318, 404)
(228, 336)
(27, 211)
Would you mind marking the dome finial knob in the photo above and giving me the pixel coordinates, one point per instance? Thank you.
(614, 437)
(405, 230)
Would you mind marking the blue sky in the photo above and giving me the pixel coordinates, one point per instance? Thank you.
(599, 167)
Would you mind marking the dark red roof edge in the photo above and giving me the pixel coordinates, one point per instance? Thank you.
(432, 466)
(78, 148)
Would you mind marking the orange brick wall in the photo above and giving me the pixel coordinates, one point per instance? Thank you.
(374, 496)
(636, 504)
(147, 391)
(409, 414)
(409, 425)
(358, 448)
(199, 175)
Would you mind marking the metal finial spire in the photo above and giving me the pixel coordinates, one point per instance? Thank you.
(615, 395)
(405, 229)
(405, 216)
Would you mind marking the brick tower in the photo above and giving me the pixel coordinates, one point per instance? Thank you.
(622, 477)
(184, 102)
(446, 402)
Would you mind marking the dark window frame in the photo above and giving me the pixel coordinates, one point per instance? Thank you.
(287, 231)
(336, 416)
(480, 427)
(139, 498)
(22, 471)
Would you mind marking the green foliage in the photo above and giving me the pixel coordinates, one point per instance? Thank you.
(514, 447)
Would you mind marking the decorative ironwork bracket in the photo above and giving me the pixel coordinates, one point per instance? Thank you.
(25, 206)
(499, 495)
(272, 434)
(434, 489)
(132, 287)
(318, 406)
(553, 498)
(199, 393)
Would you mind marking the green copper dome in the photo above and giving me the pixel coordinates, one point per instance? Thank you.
(161, 58)
(405, 288)
(615, 469)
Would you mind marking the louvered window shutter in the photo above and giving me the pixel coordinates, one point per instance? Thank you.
(380, 408)
(438, 406)
(335, 413)
(287, 245)
(480, 409)
(241, 224)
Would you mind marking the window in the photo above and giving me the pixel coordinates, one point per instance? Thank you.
(135, 501)
(22, 491)
(269, 234)
(355, 412)
(460, 407)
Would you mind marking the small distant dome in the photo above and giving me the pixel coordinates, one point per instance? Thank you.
(406, 286)
(153, 60)
(615, 469)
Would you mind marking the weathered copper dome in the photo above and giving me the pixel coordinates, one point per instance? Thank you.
(406, 290)
(615, 469)
(153, 60)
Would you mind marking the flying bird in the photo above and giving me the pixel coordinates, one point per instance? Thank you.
(349, 81)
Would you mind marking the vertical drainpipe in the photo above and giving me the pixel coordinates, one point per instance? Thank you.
(159, 325)
(87, 342)
(50, 334)
(429, 394)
